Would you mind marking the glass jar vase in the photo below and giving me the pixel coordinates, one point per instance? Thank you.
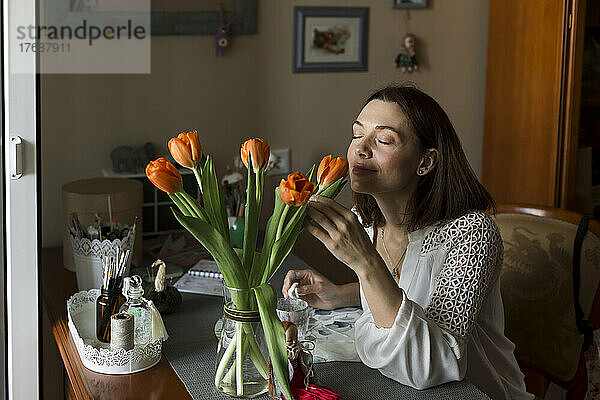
(241, 368)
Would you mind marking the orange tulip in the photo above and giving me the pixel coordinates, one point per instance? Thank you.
(296, 190)
(186, 149)
(260, 152)
(164, 175)
(330, 170)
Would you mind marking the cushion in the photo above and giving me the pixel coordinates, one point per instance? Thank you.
(537, 289)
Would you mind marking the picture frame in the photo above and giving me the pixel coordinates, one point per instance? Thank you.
(188, 22)
(403, 4)
(180, 19)
(330, 39)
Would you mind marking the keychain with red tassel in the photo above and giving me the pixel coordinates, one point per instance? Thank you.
(301, 371)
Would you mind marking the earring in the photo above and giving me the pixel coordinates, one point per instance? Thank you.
(421, 172)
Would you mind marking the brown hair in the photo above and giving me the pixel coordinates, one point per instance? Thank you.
(447, 192)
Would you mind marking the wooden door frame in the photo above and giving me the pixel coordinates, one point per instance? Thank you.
(566, 167)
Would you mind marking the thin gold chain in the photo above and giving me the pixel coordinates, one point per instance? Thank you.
(395, 269)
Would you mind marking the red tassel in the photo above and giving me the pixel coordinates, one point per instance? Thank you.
(312, 393)
(297, 379)
(315, 393)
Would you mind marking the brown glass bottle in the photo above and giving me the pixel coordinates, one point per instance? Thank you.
(107, 304)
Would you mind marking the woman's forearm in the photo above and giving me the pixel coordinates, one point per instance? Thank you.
(383, 295)
(349, 295)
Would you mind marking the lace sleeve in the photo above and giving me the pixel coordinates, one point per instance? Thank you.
(472, 263)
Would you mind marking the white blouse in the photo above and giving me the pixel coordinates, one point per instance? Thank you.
(450, 325)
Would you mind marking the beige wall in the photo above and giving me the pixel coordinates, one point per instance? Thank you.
(252, 92)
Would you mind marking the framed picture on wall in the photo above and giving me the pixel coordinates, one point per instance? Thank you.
(408, 3)
(193, 17)
(167, 17)
(330, 39)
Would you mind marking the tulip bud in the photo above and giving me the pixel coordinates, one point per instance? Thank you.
(330, 170)
(164, 175)
(186, 149)
(259, 151)
(296, 190)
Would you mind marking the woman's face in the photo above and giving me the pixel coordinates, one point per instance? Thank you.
(384, 153)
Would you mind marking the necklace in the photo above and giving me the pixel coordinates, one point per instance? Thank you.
(395, 269)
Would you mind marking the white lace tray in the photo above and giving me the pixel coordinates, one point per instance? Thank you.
(95, 355)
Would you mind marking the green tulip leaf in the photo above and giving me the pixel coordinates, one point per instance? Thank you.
(283, 246)
(221, 250)
(194, 205)
(266, 297)
(251, 217)
(215, 206)
(310, 172)
(334, 189)
(258, 268)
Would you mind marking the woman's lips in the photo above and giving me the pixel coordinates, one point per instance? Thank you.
(361, 171)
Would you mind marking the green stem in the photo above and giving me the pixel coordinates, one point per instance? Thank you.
(282, 221)
(258, 359)
(230, 375)
(239, 376)
(196, 170)
(259, 195)
(259, 188)
(182, 205)
(194, 205)
(267, 270)
(225, 360)
(256, 356)
(259, 267)
(251, 217)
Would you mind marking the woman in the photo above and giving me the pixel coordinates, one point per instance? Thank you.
(426, 254)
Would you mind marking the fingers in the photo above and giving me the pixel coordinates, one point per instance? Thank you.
(323, 205)
(326, 203)
(317, 232)
(304, 290)
(287, 282)
(319, 217)
(332, 243)
(334, 211)
(294, 276)
(306, 284)
(312, 287)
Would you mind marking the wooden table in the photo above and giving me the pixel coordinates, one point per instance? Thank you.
(58, 284)
(161, 382)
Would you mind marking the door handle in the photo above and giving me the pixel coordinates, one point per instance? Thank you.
(16, 157)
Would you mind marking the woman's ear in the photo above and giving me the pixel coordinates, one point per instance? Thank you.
(428, 161)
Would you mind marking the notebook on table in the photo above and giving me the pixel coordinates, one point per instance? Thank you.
(203, 278)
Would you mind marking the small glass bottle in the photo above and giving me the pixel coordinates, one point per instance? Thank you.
(107, 304)
(137, 306)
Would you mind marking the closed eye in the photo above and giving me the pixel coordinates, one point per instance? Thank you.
(382, 142)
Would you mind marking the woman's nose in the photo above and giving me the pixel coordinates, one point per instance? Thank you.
(362, 149)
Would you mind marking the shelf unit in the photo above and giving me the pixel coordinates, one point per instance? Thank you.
(156, 207)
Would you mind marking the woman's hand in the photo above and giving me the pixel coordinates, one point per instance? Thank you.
(313, 288)
(340, 231)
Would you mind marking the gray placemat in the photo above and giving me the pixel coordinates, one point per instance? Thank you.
(191, 351)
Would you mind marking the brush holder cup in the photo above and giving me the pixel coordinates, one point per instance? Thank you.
(88, 197)
(88, 265)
